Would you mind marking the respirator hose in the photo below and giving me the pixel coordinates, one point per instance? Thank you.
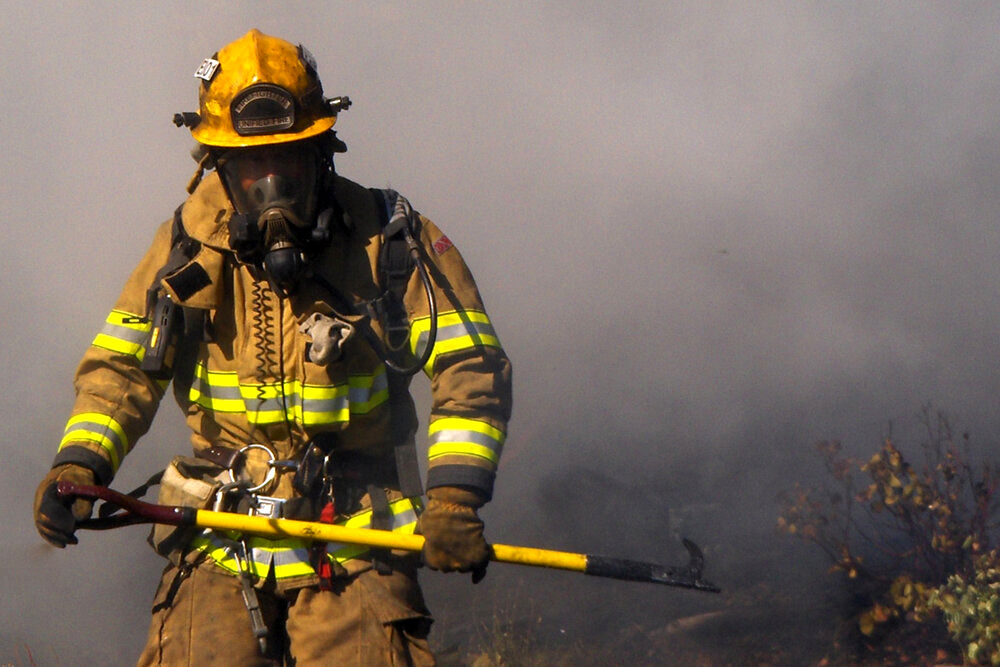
(377, 343)
(425, 279)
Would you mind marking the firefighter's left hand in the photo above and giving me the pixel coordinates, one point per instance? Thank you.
(453, 532)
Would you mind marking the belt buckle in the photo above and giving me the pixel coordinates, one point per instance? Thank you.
(267, 506)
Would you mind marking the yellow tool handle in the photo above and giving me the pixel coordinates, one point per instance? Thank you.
(384, 539)
(136, 511)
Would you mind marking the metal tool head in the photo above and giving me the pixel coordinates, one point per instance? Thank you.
(688, 576)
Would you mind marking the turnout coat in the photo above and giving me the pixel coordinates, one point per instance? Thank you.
(243, 374)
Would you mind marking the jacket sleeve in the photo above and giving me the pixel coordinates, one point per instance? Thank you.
(115, 400)
(470, 373)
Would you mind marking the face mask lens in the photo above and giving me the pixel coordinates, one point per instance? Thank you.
(266, 177)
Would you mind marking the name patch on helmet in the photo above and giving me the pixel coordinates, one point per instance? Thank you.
(262, 109)
(207, 69)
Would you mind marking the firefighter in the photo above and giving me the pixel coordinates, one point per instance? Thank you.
(289, 307)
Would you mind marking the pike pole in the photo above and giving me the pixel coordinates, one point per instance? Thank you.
(136, 511)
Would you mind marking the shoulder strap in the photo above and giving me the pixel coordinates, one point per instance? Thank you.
(396, 216)
(165, 315)
(395, 267)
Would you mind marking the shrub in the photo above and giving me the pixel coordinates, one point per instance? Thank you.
(910, 541)
(971, 609)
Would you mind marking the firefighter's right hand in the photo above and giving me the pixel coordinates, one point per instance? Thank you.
(55, 517)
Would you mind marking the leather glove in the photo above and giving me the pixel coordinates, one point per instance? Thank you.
(55, 517)
(453, 532)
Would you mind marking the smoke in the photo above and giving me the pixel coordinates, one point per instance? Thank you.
(708, 234)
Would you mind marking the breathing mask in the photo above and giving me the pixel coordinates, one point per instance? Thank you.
(276, 191)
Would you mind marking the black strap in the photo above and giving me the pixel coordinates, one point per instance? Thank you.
(108, 508)
(381, 520)
(395, 266)
(182, 249)
(405, 450)
(185, 278)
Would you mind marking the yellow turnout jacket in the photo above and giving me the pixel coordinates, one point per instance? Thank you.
(249, 378)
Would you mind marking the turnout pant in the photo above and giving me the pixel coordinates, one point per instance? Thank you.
(199, 618)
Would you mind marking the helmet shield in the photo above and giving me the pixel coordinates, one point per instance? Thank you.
(262, 109)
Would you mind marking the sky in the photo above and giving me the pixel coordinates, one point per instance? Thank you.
(709, 235)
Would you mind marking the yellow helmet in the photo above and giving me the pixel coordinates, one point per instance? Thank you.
(260, 90)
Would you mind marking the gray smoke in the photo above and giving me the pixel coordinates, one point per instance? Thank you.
(709, 235)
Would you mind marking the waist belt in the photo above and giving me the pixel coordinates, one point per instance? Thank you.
(222, 456)
(361, 470)
(345, 466)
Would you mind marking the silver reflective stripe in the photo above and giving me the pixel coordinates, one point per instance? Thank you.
(310, 404)
(456, 331)
(211, 391)
(293, 557)
(335, 404)
(103, 431)
(262, 557)
(288, 556)
(127, 334)
(452, 435)
(397, 522)
(363, 394)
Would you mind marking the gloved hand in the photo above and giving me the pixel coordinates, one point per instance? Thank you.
(453, 532)
(55, 517)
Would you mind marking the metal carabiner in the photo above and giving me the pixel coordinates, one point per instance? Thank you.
(268, 478)
(220, 496)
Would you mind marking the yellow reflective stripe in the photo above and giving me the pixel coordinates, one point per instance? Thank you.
(296, 569)
(456, 330)
(364, 519)
(218, 552)
(120, 346)
(367, 392)
(102, 429)
(404, 521)
(468, 449)
(216, 379)
(291, 557)
(469, 437)
(463, 424)
(124, 333)
(308, 404)
(216, 390)
(349, 551)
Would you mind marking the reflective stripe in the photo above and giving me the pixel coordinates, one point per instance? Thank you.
(308, 404)
(403, 520)
(102, 429)
(290, 557)
(218, 391)
(367, 392)
(293, 557)
(468, 437)
(124, 333)
(457, 330)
